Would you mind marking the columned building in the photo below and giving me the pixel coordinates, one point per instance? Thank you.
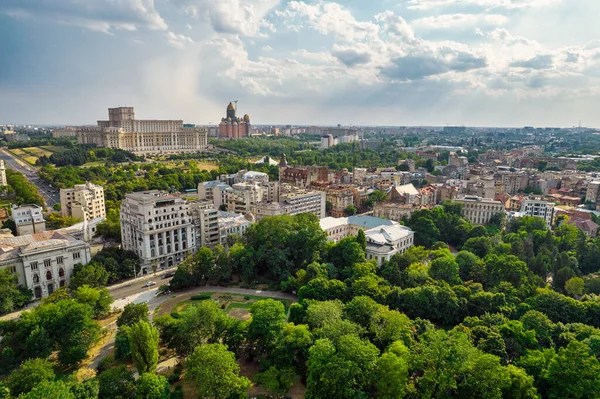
(123, 131)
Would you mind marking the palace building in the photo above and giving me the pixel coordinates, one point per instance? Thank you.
(123, 131)
(233, 127)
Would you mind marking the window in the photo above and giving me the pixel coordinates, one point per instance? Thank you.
(38, 292)
(59, 260)
(48, 275)
(12, 269)
(36, 279)
(76, 255)
(47, 263)
(61, 272)
(34, 265)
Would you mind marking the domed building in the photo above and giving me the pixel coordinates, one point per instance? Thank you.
(233, 127)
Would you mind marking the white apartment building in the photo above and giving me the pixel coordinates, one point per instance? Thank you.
(3, 181)
(28, 219)
(158, 227)
(241, 196)
(232, 224)
(480, 210)
(43, 261)
(205, 219)
(214, 191)
(385, 238)
(533, 206)
(292, 202)
(83, 201)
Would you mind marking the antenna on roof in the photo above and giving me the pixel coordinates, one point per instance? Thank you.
(235, 101)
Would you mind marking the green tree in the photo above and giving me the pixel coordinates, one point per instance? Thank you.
(98, 299)
(13, 295)
(350, 210)
(361, 239)
(480, 246)
(152, 386)
(116, 383)
(49, 390)
(268, 319)
(445, 268)
(132, 314)
(574, 286)
(213, 371)
(574, 373)
(92, 274)
(277, 380)
(390, 377)
(29, 374)
(143, 340)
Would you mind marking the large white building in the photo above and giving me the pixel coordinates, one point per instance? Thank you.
(44, 261)
(206, 223)
(123, 131)
(28, 219)
(385, 238)
(158, 227)
(480, 210)
(232, 224)
(533, 206)
(3, 181)
(84, 201)
(292, 201)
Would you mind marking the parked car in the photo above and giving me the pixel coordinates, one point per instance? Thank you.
(169, 274)
(149, 284)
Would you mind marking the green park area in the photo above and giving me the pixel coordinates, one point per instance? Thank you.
(32, 154)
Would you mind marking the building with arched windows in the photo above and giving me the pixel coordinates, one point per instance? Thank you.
(44, 261)
(233, 127)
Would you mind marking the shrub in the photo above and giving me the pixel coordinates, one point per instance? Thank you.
(247, 297)
(201, 297)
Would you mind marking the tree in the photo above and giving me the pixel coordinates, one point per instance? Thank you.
(574, 286)
(574, 373)
(480, 246)
(361, 239)
(268, 319)
(143, 340)
(132, 314)
(152, 386)
(30, 373)
(98, 299)
(93, 274)
(466, 261)
(50, 390)
(446, 269)
(13, 295)
(116, 383)
(213, 371)
(390, 377)
(388, 326)
(350, 210)
(277, 380)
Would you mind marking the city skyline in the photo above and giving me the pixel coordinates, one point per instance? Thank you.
(503, 63)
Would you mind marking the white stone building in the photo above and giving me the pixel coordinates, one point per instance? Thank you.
(232, 224)
(3, 181)
(205, 219)
(480, 210)
(158, 227)
(28, 219)
(536, 207)
(292, 201)
(83, 201)
(43, 261)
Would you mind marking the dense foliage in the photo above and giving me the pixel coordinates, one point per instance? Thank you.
(22, 190)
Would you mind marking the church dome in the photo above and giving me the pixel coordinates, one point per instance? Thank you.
(247, 118)
(230, 107)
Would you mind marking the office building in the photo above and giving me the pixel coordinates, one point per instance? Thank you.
(480, 210)
(158, 227)
(28, 219)
(123, 131)
(44, 262)
(83, 201)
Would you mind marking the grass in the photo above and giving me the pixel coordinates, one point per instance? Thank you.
(17, 151)
(30, 159)
(37, 151)
(53, 148)
(96, 163)
(207, 166)
(237, 301)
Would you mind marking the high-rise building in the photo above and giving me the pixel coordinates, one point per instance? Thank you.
(233, 127)
(83, 201)
(3, 181)
(123, 131)
(28, 219)
(158, 227)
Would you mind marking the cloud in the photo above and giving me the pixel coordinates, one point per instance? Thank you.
(178, 40)
(425, 5)
(461, 21)
(350, 57)
(537, 62)
(99, 15)
(414, 67)
(244, 17)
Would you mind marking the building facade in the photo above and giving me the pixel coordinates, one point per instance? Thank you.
(292, 201)
(28, 219)
(232, 224)
(532, 206)
(480, 210)
(44, 262)
(123, 131)
(83, 201)
(3, 181)
(158, 227)
(232, 127)
(392, 211)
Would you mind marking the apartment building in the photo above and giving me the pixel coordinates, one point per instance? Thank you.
(3, 181)
(44, 262)
(28, 219)
(340, 197)
(158, 227)
(291, 202)
(535, 206)
(206, 224)
(480, 210)
(232, 224)
(83, 201)
(392, 211)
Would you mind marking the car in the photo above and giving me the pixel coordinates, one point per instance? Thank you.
(169, 274)
(149, 284)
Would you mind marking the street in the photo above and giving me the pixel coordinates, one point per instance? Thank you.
(51, 195)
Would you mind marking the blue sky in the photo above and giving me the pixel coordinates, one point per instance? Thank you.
(404, 62)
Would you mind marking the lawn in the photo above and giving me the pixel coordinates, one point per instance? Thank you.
(30, 159)
(17, 151)
(54, 148)
(207, 166)
(37, 151)
(31, 154)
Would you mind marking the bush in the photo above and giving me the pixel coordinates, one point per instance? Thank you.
(174, 377)
(201, 297)
(247, 297)
(105, 363)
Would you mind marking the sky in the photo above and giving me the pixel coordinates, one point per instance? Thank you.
(353, 62)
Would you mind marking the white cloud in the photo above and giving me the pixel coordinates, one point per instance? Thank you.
(425, 5)
(178, 40)
(461, 21)
(98, 15)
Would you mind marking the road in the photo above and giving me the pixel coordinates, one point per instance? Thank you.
(51, 195)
